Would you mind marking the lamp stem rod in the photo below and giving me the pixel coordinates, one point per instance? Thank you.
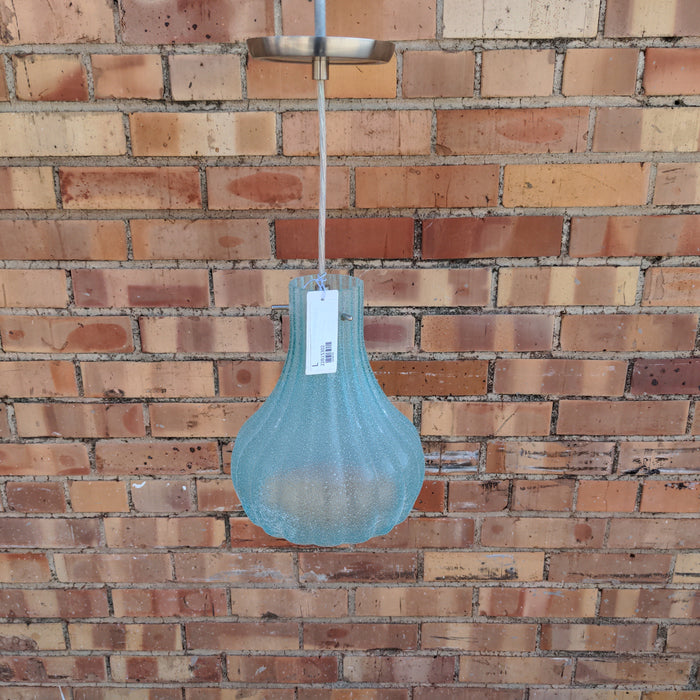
(322, 183)
(320, 17)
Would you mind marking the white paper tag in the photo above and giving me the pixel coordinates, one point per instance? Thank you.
(322, 332)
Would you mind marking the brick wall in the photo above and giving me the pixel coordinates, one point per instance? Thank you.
(520, 191)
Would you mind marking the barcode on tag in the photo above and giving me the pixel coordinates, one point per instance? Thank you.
(322, 332)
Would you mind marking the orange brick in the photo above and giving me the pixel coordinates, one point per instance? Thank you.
(517, 73)
(475, 496)
(216, 495)
(282, 669)
(542, 533)
(491, 237)
(664, 534)
(49, 533)
(479, 636)
(485, 566)
(630, 568)
(437, 287)
(75, 420)
(600, 72)
(282, 187)
(360, 636)
(380, 238)
(647, 18)
(252, 287)
(677, 457)
(431, 377)
(205, 77)
(405, 132)
(178, 602)
(127, 76)
(576, 185)
(157, 496)
(604, 236)
(64, 604)
(529, 670)
(80, 21)
(235, 567)
(628, 332)
(677, 183)
(622, 417)
(168, 22)
(607, 496)
(399, 601)
(543, 495)
(672, 71)
(26, 188)
(114, 568)
(29, 497)
(567, 286)
(37, 379)
(50, 459)
(130, 188)
(199, 420)
(438, 74)
(242, 636)
(649, 603)
(670, 497)
(358, 81)
(357, 566)
(502, 332)
(166, 669)
(632, 672)
(124, 637)
(289, 603)
(426, 186)
(549, 457)
(248, 378)
(164, 532)
(537, 602)
(98, 496)
(623, 639)
(114, 457)
(24, 568)
(201, 239)
(50, 78)
(33, 288)
(399, 669)
(62, 240)
(679, 286)
(431, 498)
(203, 133)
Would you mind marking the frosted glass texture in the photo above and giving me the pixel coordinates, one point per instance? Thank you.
(327, 459)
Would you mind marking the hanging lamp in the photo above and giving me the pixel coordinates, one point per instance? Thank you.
(327, 459)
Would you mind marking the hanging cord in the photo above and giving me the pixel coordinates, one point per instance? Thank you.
(322, 183)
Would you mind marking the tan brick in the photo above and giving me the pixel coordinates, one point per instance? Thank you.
(199, 420)
(336, 566)
(687, 569)
(534, 19)
(549, 457)
(677, 183)
(683, 638)
(124, 637)
(529, 670)
(115, 457)
(679, 286)
(87, 693)
(649, 603)
(24, 568)
(37, 379)
(164, 532)
(413, 602)
(484, 566)
(166, 669)
(542, 533)
(676, 457)
(672, 71)
(362, 82)
(660, 534)
(216, 494)
(600, 72)
(547, 495)
(35, 636)
(607, 496)
(360, 636)
(426, 186)
(203, 133)
(614, 568)
(631, 672)
(252, 287)
(399, 669)
(248, 378)
(537, 602)
(98, 496)
(485, 418)
(242, 636)
(649, 18)
(78, 420)
(49, 533)
(127, 76)
(289, 603)
(158, 496)
(567, 286)
(33, 288)
(517, 73)
(64, 604)
(445, 287)
(26, 188)
(405, 132)
(282, 669)
(205, 77)
(169, 602)
(32, 459)
(235, 567)
(201, 239)
(623, 639)
(438, 74)
(49, 78)
(282, 187)
(576, 185)
(30, 497)
(478, 636)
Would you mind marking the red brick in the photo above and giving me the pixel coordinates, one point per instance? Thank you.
(200, 239)
(525, 670)
(426, 186)
(26, 188)
(51, 459)
(55, 669)
(177, 602)
(121, 637)
(50, 78)
(656, 533)
(30, 497)
(412, 601)
(200, 693)
(399, 669)
(622, 417)
(163, 532)
(543, 495)
(123, 693)
(115, 457)
(623, 639)
(670, 497)
(24, 568)
(537, 602)
(478, 496)
(33, 288)
(282, 187)
(490, 237)
(166, 22)
(438, 74)
(235, 568)
(99, 497)
(114, 568)
(127, 76)
(166, 669)
(79, 420)
(549, 457)
(431, 377)
(431, 498)
(351, 566)
(665, 286)
(607, 496)
(600, 71)
(372, 238)
(4, 95)
(628, 332)
(63, 604)
(650, 603)
(613, 568)
(464, 693)
(5, 431)
(484, 566)
(632, 672)
(604, 236)
(517, 73)
(677, 183)
(678, 376)
(360, 636)
(49, 533)
(627, 18)
(672, 71)
(479, 637)
(205, 77)
(419, 533)
(282, 669)
(289, 603)
(216, 495)
(239, 288)
(242, 636)
(502, 332)
(389, 333)
(156, 496)
(542, 533)
(130, 188)
(37, 379)
(683, 638)
(199, 420)
(451, 457)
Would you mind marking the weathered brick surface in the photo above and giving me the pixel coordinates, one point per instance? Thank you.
(50, 78)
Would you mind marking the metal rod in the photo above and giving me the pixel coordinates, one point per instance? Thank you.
(320, 17)
(322, 178)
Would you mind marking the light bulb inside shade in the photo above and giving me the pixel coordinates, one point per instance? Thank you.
(327, 459)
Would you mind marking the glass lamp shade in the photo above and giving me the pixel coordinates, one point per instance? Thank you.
(327, 459)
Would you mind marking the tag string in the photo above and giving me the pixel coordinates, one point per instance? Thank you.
(322, 183)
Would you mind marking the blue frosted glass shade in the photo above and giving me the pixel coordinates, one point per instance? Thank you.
(327, 459)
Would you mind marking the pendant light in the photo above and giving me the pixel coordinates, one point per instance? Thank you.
(327, 459)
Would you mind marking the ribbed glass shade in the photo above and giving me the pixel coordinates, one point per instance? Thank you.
(327, 459)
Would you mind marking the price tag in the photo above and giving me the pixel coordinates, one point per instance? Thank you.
(322, 332)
